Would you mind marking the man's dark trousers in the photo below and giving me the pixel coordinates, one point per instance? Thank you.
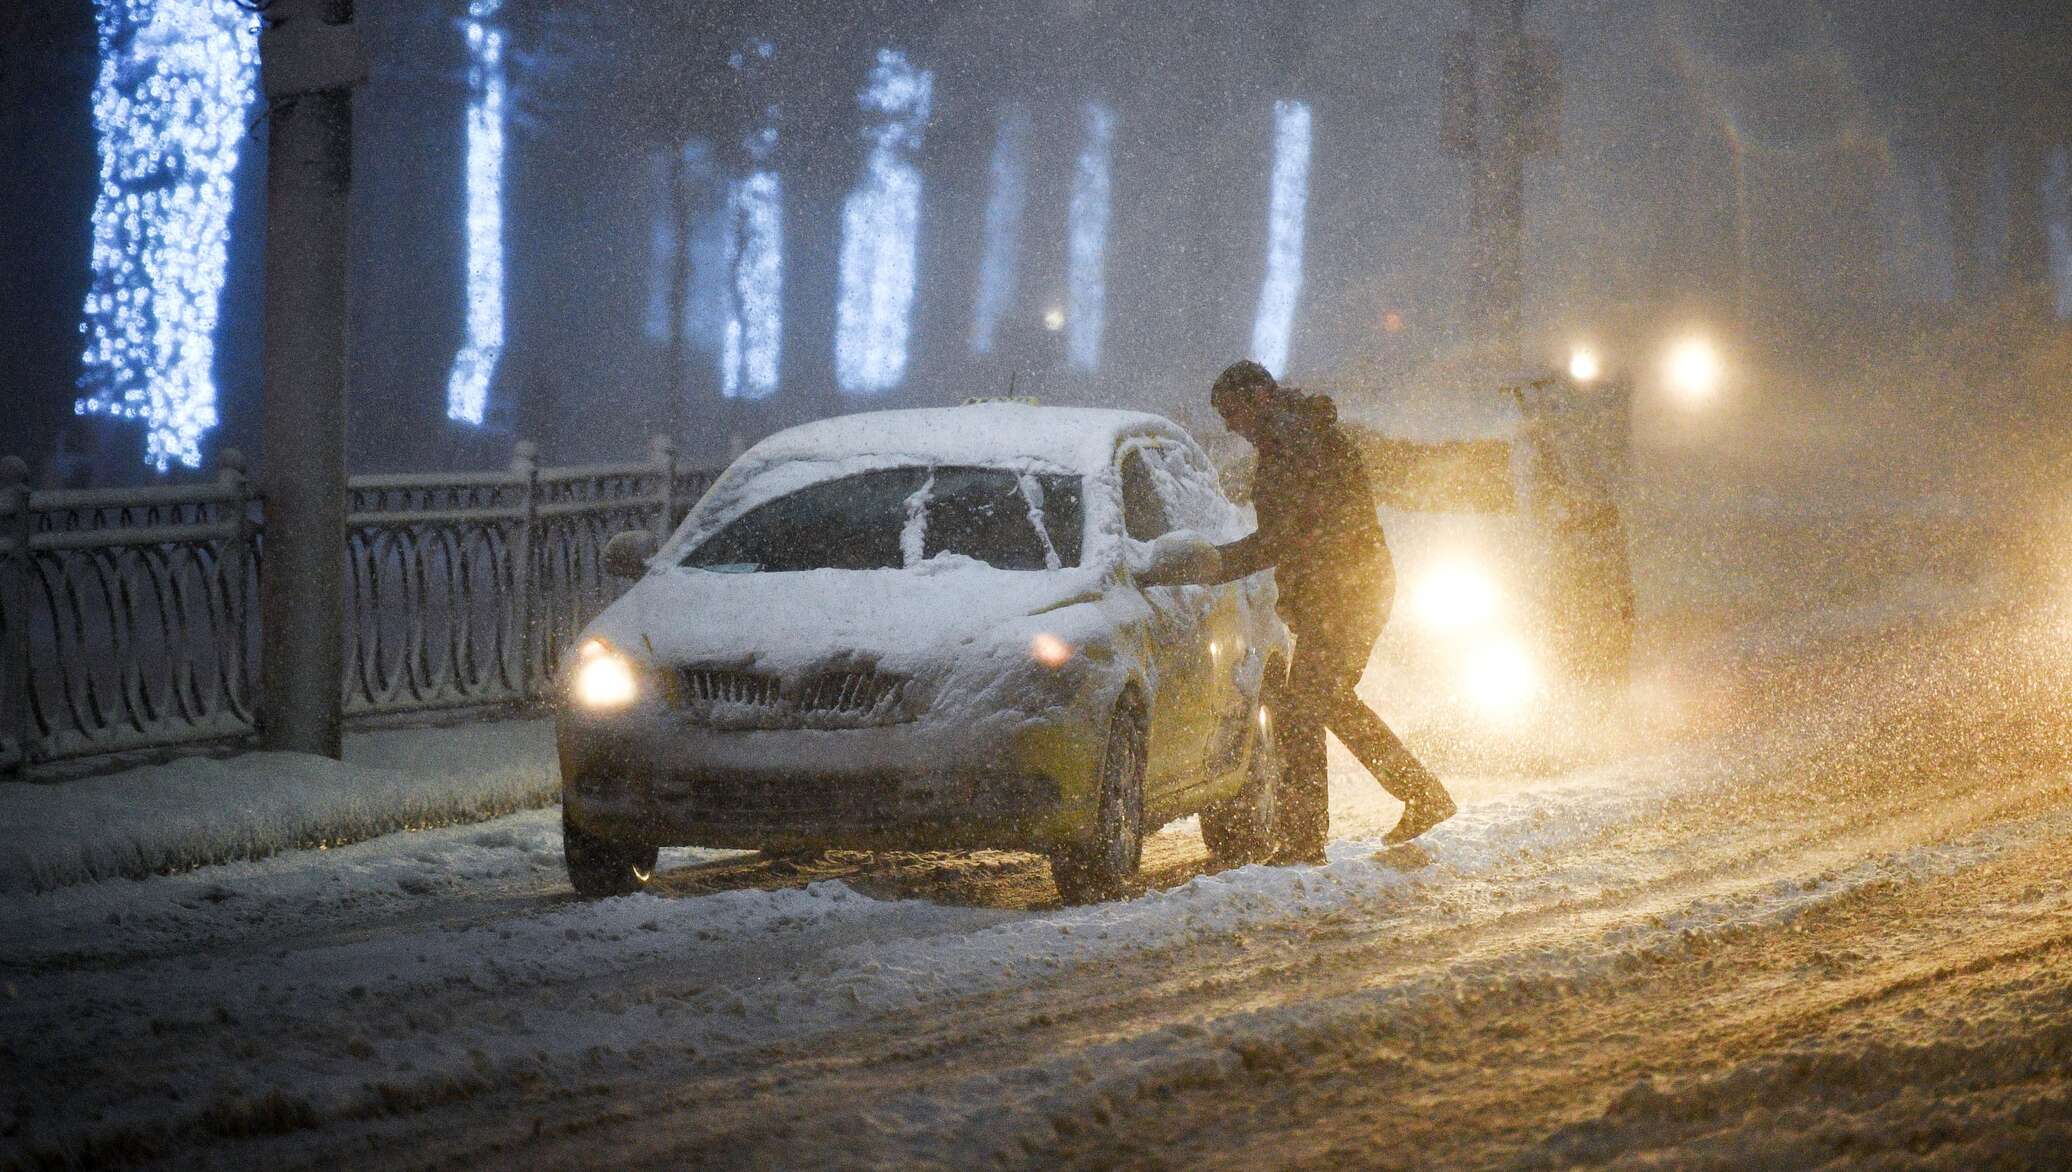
(1329, 659)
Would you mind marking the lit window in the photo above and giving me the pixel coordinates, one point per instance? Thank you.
(1086, 288)
(467, 388)
(880, 231)
(170, 106)
(1004, 210)
(1286, 210)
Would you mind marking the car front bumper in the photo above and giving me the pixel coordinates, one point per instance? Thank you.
(1017, 782)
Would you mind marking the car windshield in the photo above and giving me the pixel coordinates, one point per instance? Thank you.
(898, 517)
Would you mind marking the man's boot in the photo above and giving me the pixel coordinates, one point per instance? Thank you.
(1425, 805)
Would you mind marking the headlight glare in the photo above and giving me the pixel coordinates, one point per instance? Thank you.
(605, 679)
(1455, 596)
(1500, 678)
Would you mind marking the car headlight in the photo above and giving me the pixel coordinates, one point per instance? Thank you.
(1454, 596)
(604, 679)
(1500, 678)
(1695, 369)
(1049, 650)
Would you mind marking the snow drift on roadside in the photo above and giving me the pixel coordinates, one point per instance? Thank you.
(197, 811)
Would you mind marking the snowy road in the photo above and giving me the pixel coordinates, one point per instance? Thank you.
(1819, 908)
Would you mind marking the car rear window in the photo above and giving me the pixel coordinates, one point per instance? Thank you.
(898, 516)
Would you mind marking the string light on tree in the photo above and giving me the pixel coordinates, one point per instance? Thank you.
(753, 332)
(170, 104)
(880, 231)
(1086, 280)
(1005, 208)
(1286, 212)
(474, 368)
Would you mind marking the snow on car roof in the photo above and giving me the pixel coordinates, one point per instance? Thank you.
(993, 435)
(1003, 433)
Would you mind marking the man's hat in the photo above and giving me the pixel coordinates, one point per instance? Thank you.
(1243, 377)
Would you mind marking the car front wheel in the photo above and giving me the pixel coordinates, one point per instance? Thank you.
(599, 867)
(1102, 868)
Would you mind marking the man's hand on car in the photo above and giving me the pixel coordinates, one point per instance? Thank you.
(1180, 558)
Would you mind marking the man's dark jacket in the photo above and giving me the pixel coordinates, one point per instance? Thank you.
(1317, 527)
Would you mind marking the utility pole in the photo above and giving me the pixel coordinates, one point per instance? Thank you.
(1502, 105)
(309, 62)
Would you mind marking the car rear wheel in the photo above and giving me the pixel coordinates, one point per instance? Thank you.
(599, 867)
(1242, 828)
(1102, 868)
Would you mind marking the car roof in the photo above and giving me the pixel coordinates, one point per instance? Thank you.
(1080, 439)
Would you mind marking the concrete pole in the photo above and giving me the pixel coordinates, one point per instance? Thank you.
(309, 62)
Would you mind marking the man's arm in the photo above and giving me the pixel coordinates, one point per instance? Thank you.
(1241, 558)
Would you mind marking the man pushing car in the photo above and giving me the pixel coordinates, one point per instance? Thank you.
(1318, 532)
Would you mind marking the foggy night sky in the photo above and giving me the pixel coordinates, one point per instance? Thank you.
(1847, 118)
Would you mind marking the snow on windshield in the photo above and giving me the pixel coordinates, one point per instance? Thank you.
(900, 517)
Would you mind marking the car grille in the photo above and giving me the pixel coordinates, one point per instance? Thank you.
(856, 698)
(859, 802)
(708, 686)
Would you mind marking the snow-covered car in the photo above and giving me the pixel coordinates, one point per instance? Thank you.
(922, 629)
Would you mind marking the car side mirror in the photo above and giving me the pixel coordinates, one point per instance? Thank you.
(627, 554)
(1179, 558)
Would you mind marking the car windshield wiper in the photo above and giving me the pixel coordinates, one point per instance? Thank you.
(731, 568)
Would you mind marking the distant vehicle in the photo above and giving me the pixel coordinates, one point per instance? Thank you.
(921, 630)
(1514, 587)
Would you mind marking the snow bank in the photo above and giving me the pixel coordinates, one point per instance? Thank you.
(196, 811)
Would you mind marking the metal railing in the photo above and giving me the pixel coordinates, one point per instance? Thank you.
(129, 617)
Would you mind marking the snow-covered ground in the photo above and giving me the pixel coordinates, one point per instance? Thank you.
(1805, 902)
(193, 811)
(435, 995)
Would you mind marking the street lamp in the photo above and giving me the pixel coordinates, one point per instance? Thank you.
(1695, 369)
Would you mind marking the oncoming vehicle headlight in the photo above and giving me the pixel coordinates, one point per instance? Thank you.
(604, 678)
(1500, 678)
(1454, 596)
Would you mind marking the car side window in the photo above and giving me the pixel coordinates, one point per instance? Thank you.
(1193, 498)
(1143, 512)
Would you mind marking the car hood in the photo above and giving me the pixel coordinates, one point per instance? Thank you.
(778, 622)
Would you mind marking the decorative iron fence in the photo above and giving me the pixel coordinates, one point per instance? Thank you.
(129, 618)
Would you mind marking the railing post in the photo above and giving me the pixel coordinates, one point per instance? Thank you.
(17, 713)
(238, 554)
(662, 453)
(525, 584)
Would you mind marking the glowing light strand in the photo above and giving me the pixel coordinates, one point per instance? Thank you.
(754, 329)
(474, 368)
(170, 102)
(1005, 207)
(880, 231)
(664, 239)
(1086, 283)
(753, 335)
(1287, 210)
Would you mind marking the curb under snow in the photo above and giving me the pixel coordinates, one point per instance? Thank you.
(197, 811)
